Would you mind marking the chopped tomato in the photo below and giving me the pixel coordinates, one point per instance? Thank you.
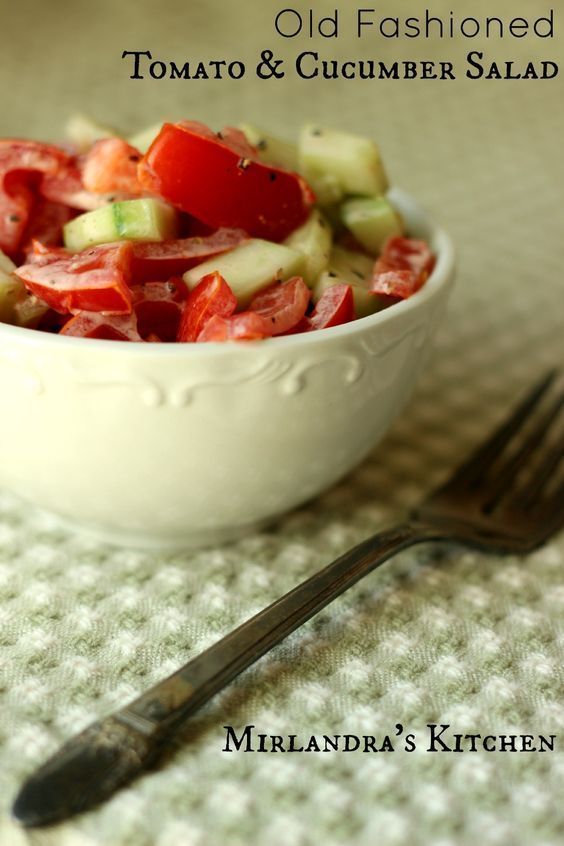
(335, 306)
(94, 280)
(107, 327)
(399, 284)
(206, 176)
(39, 253)
(19, 161)
(46, 223)
(66, 186)
(245, 326)
(158, 307)
(403, 267)
(408, 254)
(111, 166)
(212, 297)
(282, 305)
(163, 259)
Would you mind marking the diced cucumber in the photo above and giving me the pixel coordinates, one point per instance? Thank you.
(314, 241)
(356, 266)
(271, 150)
(29, 310)
(135, 220)
(352, 162)
(250, 267)
(143, 140)
(83, 131)
(6, 264)
(372, 220)
(12, 290)
(349, 268)
(17, 306)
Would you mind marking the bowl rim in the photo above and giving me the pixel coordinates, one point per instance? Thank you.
(440, 277)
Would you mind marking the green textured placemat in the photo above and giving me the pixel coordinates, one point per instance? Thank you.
(450, 637)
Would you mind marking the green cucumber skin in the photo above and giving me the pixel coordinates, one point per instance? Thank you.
(249, 268)
(137, 220)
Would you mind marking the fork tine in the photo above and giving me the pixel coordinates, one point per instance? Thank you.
(472, 469)
(507, 473)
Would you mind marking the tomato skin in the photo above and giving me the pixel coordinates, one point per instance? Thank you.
(282, 305)
(210, 180)
(163, 259)
(402, 268)
(158, 308)
(402, 253)
(19, 161)
(245, 326)
(94, 280)
(46, 224)
(66, 186)
(107, 327)
(212, 297)
(16, 204)
(334, 307)
(110, 166)
(42, 254)
(398, 284)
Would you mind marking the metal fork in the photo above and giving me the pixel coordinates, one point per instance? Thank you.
(506, 498)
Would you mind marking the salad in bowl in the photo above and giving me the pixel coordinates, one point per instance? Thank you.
(275, 304)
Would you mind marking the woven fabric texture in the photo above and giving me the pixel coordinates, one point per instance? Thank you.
(438, 635)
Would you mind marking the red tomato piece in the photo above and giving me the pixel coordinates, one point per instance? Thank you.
(111, 166)
(158, 307)
(335, 306)
(399, 284)
(408, 254)
(163, 259)
(108, 327)
(46, 224)
(245, 326)
(19, 161)
(94, 280)
(403, 267)
(38, 253)
(66, 186)
(212, 297)
(282, 305)
(16, 204)
(207, 177)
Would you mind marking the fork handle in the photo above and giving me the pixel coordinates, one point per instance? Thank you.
(158, 711)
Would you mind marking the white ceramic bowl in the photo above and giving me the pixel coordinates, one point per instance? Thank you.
(177, 445)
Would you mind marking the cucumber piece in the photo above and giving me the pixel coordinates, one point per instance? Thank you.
(29, 310)
(12, 291)
(352, 163)
(6, 263)
(271, 150)
(250, 267)
(143, 140)
(349, 268)
(83, 132)
(372, 220)
(314, 240)
(17, 306)
(134, 220)
(356, 266)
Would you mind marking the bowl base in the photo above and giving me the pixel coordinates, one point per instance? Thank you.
(136, 539)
